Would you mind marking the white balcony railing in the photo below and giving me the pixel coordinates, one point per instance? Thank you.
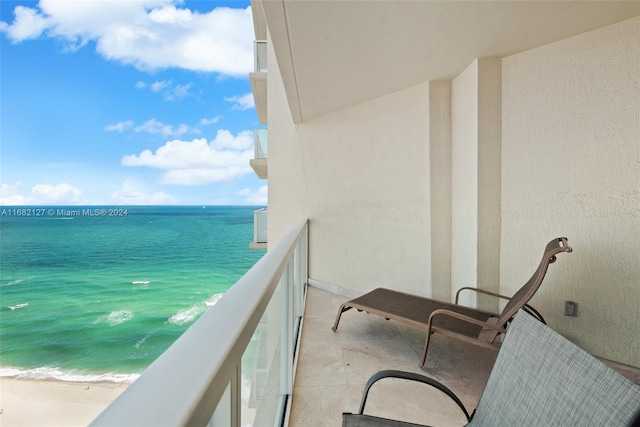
(260, 54)
(246, 341)
(260, 143)
(260, 147)
(260, 225)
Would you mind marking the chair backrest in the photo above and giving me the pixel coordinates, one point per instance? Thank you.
(542, 379)
(526, 292)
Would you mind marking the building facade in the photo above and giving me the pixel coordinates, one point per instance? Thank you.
(436, 145)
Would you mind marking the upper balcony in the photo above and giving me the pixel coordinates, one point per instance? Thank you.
(260, 150)
(259, 79)
(259, 229)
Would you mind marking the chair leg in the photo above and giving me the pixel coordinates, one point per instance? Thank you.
(342, 309)
(426, 348)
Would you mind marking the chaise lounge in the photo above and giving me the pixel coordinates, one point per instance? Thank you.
(454, 320)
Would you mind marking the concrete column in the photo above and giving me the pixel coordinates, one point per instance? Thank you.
(440, 187)
(475, 184)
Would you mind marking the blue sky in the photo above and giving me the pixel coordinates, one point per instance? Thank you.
(127, 102)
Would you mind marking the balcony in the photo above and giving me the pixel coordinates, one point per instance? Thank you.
(236, 364)
(276, 361)
(260, 150)
(258, 79)
(259, 229)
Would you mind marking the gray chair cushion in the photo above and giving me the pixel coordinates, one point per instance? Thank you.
(541, 379)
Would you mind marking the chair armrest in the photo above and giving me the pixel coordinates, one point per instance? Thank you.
(529, 309)
(533, 312)
(481, 291)
(411, 377)
(445, 312)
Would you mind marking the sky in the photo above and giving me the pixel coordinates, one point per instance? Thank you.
(127, 102)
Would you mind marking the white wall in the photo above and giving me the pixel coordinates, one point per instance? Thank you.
(361, 176)
(571, 167)
(464, 187)
(440, 176)
(476, 158)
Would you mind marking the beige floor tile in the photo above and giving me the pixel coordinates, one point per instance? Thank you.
(333, 368)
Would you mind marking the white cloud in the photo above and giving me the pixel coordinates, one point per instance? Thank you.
(225, 139)
(11, 194)
(123, 197)
(199, 162)
(28, 24)
(242, 102)
(166, 87)
(134, 192)
(56, 194)
(153, 126)
(211, 121)
(43, 194)
(158, 86)
(148, 34)
(201, 176)
(257, 197)
(120, 126)
(178, 92)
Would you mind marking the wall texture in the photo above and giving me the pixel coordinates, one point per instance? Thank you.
(361, 176)
(571, 167)
(370, 183)
(370, 180)
(464, 183)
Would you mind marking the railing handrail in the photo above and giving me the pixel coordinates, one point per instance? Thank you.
(184, 385)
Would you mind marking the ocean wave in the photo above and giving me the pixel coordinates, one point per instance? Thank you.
(48, 373)
(213, 300)
(187, 315)
(17, 306)
(141, 341)
(116, 317)
(13, 282)
(140, 282)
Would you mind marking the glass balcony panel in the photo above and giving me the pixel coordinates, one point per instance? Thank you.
(260, 50)
(261, 367)
(222, 414)
(260, 226)
(260, 143)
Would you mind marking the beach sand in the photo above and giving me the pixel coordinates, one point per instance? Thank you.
(53, 403)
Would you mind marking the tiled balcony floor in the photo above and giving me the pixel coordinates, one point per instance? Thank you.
(333, 368)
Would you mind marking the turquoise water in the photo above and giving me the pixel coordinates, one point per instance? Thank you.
(86, 296)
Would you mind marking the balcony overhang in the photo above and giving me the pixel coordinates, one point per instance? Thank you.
(336, 54)
(260, 167)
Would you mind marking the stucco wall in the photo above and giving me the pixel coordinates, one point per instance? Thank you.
(464, 183)
(571, 167)
(440, 175)
(361, 176)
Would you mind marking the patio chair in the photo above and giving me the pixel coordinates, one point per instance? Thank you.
(453, 320)
(539, 379)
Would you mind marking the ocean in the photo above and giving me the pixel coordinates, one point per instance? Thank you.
(98, 293)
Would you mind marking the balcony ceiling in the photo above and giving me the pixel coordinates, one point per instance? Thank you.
(334, 54)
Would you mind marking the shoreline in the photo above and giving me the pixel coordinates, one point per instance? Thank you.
(50, 402)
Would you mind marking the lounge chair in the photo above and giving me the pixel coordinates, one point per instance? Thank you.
(539, 379)
(453, 320)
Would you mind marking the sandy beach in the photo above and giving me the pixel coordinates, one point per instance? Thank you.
(53, 403)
